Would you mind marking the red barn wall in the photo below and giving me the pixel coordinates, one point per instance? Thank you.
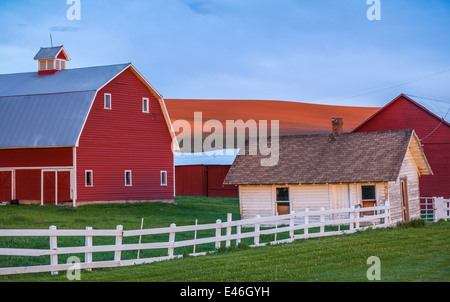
(41, 157)
(28, 181)
(125, 138)
(216, 176)
(190, 180)
(402, 114)
(199, 180)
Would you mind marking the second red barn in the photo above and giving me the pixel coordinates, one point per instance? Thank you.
(430, 119)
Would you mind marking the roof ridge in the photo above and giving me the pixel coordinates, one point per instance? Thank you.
(68, 69)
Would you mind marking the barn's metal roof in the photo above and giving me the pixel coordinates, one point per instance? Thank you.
(440, 108)
(47, 120)
(223, 157)
(49, 111)
(69, 80)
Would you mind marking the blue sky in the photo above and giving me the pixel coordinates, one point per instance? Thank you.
(316, 51)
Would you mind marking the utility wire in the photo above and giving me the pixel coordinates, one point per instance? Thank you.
(382, 87)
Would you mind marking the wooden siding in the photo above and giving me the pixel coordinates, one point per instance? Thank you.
(313, 197)
(28, 185)
(203, 180)
(125, 138)
(256, 200)
(216, 176)
(40, 157)
(261, 200)
(403, 114)
(408, 171)
(190, 180)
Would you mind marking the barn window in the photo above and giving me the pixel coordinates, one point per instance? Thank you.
(145, 105)
(128, 178)
(163, 178)
(88, 178)
(107, 101)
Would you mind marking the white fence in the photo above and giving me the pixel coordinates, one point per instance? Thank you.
(442, 208)
(297, 225)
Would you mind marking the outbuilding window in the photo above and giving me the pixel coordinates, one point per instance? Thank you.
(282, 199)
(368, 192)
(107, 101)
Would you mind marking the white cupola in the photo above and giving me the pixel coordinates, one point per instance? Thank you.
(51, 59)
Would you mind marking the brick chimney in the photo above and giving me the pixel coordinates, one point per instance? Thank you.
(51, 60)
(337, 126)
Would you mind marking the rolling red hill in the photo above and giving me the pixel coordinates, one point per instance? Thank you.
(294, 117)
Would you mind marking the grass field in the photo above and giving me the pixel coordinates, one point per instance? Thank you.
(408, 253)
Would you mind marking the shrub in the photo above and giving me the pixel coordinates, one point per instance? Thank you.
(415, 223)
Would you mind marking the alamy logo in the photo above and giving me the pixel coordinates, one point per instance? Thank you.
(73, 273)
(74, 11)
(374, 272)
(374, 12)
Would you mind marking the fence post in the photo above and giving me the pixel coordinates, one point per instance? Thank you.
(172, 239)
(322, 221)
(88, 242)
(357, 215)
(218, 233)
(118, 252)
(352, 218)
(238, 231)
(306, 230)
(229, 219)
(53, 247)
(291, 225)
(257, 227)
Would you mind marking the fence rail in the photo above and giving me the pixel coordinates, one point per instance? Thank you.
(349, 220)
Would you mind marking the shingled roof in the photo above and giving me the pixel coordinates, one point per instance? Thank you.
(317, 159)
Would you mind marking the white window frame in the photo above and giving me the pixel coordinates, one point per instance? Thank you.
(131, 178)
(161, 178)
(110, 101)
(146, 105)
(85, 178)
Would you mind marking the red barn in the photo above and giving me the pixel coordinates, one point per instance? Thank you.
(203, 173)
(97, 134)
(431, 122)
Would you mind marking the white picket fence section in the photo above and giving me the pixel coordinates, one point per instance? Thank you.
(354, 218)
(442, 208)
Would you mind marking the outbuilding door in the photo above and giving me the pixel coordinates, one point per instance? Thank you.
(405, 201)
(5, 186)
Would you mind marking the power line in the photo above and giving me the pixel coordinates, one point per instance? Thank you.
(383, 87)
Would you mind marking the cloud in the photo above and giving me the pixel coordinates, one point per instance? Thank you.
(199, 6)
(64, 28)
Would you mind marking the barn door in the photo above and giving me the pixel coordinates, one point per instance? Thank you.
(49, 183)
(64, 186)
(405, 202)
(5, 186)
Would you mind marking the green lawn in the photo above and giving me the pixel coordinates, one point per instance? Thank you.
(407, 254)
